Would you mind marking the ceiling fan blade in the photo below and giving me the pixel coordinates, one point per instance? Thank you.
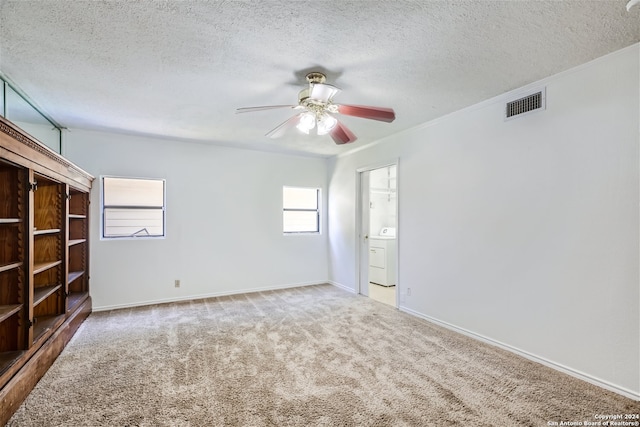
(374, 113)
(341, 134)
(266, 107)
(284, 126)
(323, 92)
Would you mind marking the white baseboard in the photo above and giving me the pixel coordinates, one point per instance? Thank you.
(557, 366)
(341, 286)
(207, 295)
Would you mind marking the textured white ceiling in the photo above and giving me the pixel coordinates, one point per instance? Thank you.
(179, 69)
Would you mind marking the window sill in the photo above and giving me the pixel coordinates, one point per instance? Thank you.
(116, 239)
(303, 233)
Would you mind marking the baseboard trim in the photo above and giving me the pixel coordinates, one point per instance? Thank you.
(549, 363)
(341, 286)
(207, 295)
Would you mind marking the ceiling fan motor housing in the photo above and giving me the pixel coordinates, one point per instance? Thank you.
(316, 77)
(303, 95)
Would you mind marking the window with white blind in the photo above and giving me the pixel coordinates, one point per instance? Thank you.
(301, 210)
(133, 207)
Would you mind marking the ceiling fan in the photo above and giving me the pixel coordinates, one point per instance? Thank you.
(317, 111)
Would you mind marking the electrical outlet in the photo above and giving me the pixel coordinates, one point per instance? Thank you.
(177, 283)
(408, 292)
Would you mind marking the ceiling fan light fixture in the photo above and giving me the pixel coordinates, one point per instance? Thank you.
(326, 123)
(322, 92)
(307, 122)
(317, 110)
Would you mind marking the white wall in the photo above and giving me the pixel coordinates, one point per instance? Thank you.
(524, 232)
(224, 220)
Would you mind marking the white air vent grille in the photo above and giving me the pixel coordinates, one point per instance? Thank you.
(526, 104)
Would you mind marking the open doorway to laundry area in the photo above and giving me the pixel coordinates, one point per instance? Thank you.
(378, 231)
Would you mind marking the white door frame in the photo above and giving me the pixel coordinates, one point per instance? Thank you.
(364, 227)
(362, 255)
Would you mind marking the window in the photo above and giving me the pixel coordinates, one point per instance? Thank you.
(301, 210)
(133, 207)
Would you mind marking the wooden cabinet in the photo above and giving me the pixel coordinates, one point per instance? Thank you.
(47, 302)
(44, 260)
(77, 248)
(13, 245)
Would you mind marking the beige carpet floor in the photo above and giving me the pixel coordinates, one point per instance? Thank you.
(311, 356)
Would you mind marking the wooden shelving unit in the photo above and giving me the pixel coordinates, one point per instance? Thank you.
(44, 260)
(73, 275)
(6, 311)
(43, 292)
(13, 258)
(45, 232)
(77, 248)
(10, 266)
(44, 266)
(49, 216)
(46, 325)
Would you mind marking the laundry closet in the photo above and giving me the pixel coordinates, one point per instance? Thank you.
(382, 223)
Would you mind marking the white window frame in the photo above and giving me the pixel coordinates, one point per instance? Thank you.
(318, 211)
(133, 236)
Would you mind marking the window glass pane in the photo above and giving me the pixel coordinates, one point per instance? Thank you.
(133, 222)
(300, 198)
(29, 119)
(133, 207)
(133, 192)
(300, 221)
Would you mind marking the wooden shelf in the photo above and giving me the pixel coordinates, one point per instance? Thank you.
(73, 275)
(10, 266)
(76, 241)
(43, 324)
(7, 311)
(41, 293)
(39, 267)
(48, 231)
(76, 298)
(44, 236)
(8, 358)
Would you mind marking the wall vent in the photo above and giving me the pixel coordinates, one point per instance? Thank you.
(526, 104)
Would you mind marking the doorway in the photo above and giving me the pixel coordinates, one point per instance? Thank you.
(377, 233)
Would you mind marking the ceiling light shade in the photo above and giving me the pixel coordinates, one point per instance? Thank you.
(326, 122)
(307, 122)
(322, 92)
